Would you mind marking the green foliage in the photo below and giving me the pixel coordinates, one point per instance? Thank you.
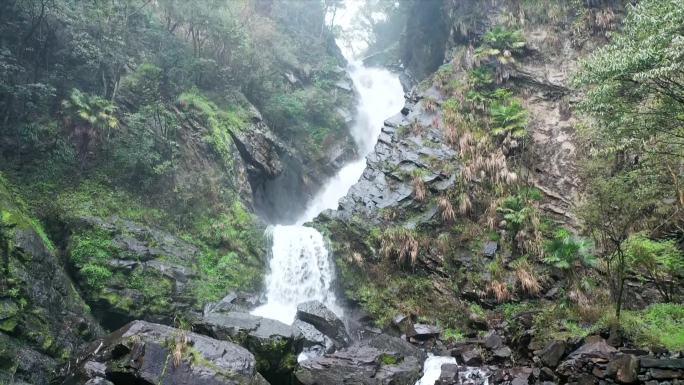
(659, 324)
(93, 198)
(501, 43)
(509, 118)
(659, 261)
(452, 335)
(95, 276)
(220, 122)
(388, 359)
(566, 249)
(634, 83)
(90, 110)
(90, 246)
(515, 211)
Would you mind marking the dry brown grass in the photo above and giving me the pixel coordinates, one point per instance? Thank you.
(430, 104)
(400, 244)
(179, 347)
(446, 209)
(419, 188)
(499, 290)
(464, 204)
(526, 278)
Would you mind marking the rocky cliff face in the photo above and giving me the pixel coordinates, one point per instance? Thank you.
(43, 319)
(426, 230)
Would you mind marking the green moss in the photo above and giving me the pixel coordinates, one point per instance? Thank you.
(388, 359)
(660, 324)
(93, 198)
(221, 122)
(452, 335)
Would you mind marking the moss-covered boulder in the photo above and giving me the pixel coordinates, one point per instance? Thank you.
(127, 270)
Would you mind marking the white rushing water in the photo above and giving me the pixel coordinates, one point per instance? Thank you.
(301, 268)
(432, 369)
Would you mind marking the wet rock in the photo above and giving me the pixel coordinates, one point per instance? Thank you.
(469, 355)
(489, 249)
(378, 361)
(449, 375)
(274, 344)
(552, 353)
(404, 324)
(502, 353)
(315, 343)
(493, 340)
(521, 375)
(42, 317)
(594, 347)
(147, 353)
(323, 319)
(623, 368)
(234, 301)
(424, 332)
(666, 374)
(671, 363)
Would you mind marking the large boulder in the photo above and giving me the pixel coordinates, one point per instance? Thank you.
(378, 361)
(323, 319)
(147, 353)
(315, 343)
(274, 344)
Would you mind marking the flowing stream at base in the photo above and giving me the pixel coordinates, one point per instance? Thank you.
(301, 268)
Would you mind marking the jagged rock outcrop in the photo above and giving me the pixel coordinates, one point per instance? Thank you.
(147, 353)
(325, 321)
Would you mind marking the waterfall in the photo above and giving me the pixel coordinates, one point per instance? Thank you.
(301, 268)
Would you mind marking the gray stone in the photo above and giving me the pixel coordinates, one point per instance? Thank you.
(668, 363)
(552, 353)
(469, 355)
(489, 249)
(493, 340)
(323, 319)
(424, 332)
(140, 351)
(378, 361)
(623, 368)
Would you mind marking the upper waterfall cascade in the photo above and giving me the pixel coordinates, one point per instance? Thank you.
(301, 268)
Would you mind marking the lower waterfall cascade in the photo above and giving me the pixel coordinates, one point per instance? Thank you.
(301, 268)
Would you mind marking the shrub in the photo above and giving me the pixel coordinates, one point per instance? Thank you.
(509, 118)
(659, 261)
(94, 275)
(565, 249)
(501, 43)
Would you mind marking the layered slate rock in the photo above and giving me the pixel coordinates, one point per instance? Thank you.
(379, 360)
(139, 258)
(147, 353)
(274, 344)
(324, 320)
